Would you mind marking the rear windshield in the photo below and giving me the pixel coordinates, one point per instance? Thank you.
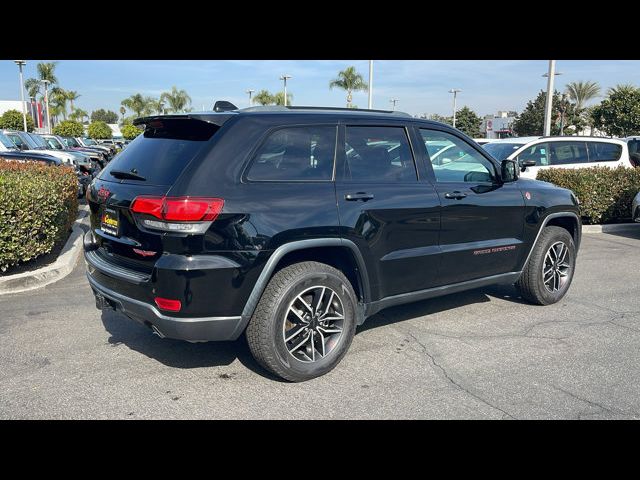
(501, 151)
(162, 152)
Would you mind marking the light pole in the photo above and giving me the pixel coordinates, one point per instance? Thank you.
(370, 84)
(22, 63)
(285, 78)
(455, 92)
(548, 106)
(394, 101)
(46, 102)
(250, 92)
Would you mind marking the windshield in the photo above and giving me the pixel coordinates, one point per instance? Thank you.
(6, 142)
(501, 151)
(37, 139)
(53, 143)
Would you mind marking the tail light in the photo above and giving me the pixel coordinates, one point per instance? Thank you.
(177, 214)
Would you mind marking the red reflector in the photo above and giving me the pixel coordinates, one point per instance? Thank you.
(167, 304)
(179, 209)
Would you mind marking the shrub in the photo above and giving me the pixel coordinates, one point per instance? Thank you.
(12, 120)
(38, 205)
(129, 132)
(69, 128)
(605, 194)
(99, 130)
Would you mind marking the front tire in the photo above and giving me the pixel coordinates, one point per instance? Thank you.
(304, 322)
(549, 272)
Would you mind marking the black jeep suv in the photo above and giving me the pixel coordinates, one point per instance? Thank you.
(295, 224)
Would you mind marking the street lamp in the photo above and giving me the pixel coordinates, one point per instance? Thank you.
(455, 92)
(250, 92)
(285, 78)
(549, 101)
(394, 101)
(46, 102)
(370, 84)
(22, 63)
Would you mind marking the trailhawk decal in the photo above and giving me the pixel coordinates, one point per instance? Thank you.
(494, 250)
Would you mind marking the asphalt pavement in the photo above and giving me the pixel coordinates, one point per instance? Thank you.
(483, 354)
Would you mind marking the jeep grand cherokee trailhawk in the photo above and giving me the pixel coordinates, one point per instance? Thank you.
(295, 224)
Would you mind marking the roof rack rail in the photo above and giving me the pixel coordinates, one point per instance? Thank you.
(282, 108)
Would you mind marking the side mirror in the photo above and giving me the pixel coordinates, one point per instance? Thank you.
(509, 171)
(527, 163)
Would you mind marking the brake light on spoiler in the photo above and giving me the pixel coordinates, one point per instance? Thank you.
(177, 214)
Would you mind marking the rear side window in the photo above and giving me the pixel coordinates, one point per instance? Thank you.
(378, 154)
(566, 153)
(294, 154)
(604, 152)
(163, 151)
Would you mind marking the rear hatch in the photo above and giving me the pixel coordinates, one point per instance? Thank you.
(148, 167)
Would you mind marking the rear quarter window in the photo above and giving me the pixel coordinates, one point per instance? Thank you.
(162, 152)
(604, 152)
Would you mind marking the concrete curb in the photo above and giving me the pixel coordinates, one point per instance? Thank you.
(618, 227)
(22, 282)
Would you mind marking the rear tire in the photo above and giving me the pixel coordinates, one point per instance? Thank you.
(304, 322)
(549, 271)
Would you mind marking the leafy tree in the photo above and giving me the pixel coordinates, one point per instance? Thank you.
(136, 103)
(12, 120)
(581, 92)
(263, 97)
(619, 114)
(349, 80)
(439, 118)
(69, 128)
(106, 116)
(99, 130)
(531, 120)
(129, 132)
(176, 100)
(468, 122)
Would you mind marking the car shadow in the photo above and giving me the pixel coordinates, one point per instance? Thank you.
(436, 305)
(633, 231)
(181, 354)
(178, 353)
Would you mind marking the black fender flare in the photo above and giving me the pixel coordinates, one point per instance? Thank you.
(544, 223)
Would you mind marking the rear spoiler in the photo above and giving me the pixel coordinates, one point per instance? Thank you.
(214, 118)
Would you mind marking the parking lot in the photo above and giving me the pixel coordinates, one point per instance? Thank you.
(482, 354)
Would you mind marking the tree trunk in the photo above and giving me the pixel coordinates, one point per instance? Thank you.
(349, 98)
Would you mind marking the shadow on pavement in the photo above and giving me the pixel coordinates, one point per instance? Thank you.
(436, 305)
(178, 353)
(631, 232)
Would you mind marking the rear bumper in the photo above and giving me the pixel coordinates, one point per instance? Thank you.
(197, 329)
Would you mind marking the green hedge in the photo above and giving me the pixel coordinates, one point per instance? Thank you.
(38, 205)
(605, 194)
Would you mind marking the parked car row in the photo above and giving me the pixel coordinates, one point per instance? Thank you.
(86, 157)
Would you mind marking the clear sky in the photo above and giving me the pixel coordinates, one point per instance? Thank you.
(420, 86)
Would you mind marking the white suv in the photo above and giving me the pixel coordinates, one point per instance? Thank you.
(560, 152)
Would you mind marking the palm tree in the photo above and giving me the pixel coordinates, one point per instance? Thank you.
(136, 103)
(156, 105)
(177, 100)
(349, 80)
(122, 111)
(581, 92)
(46, 71)
(278, 98)
(72, 96)
(263, 97)
(622, 88)
(33, 87)
(58, 98)
(78, 115)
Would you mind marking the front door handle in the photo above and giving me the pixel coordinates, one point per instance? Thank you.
(457, 195)
(352, 197)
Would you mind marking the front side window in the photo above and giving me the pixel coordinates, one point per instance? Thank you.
(539, 153)
(378, 154)
(567, 153)
(455, 160)
(604, 152)
(295, 154)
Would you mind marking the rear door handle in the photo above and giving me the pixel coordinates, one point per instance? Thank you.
(352, 197)
(457, 195)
